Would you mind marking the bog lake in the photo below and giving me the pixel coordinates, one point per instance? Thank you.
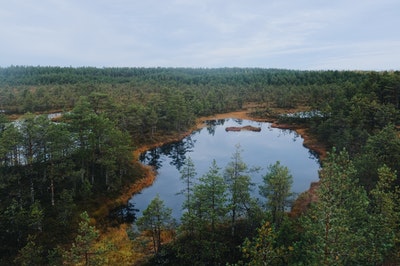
(259, 149)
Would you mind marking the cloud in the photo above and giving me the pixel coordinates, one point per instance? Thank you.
(201, 33)
(360, 55)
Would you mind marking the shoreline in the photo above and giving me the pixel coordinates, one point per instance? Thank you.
(150, 174)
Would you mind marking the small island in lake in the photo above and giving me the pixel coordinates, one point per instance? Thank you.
(247, 128)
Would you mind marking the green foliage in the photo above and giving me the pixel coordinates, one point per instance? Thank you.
(188, 175)
(384, 218)
(263, 249)
(48, 170)
(82, 251)
(276, 188)
(156, 218)
(66, 210)
(211, 198)
(381, 148)
(208, 211)
(239, 184)
(336, 225)
(30, 254)
(57, 164)
(356, 111)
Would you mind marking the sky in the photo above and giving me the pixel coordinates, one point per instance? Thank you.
(288, 34)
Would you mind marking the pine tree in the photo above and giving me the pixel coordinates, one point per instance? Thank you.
(335, 225)
(211, 196)
(276, 188)
(156, 218)
(239, 186)
(82, 251)
(188, 174)
(384, 220)
(30, 254)
(263, 249)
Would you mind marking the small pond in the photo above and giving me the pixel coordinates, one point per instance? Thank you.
(259, 149)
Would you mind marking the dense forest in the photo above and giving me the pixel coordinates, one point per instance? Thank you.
(67, 137)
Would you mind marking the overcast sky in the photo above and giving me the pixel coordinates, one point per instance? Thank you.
(290, 34)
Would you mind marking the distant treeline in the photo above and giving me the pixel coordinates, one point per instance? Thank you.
(44, 88)
(29, 75)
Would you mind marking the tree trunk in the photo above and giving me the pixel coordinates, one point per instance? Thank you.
(233, 222)
(52, 191)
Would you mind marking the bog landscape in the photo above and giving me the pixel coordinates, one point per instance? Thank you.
(199, 166)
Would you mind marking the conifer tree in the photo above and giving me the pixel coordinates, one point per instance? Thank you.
(156, 218)
(335, 225)
(263, 249)
(384, 220)
(188, 174)
(239, 186)
(276, 188)
(82, 251)
(211, 195)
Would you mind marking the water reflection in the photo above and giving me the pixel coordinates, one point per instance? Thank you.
(212, 124)
(260, 149)
(152, 157)
(175, 151)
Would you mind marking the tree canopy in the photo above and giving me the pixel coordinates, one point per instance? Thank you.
(54, 169)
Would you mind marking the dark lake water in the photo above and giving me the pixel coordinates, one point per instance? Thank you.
(260, 149)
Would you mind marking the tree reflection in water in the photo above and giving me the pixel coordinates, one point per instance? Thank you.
(176, 151)
(213, 142)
